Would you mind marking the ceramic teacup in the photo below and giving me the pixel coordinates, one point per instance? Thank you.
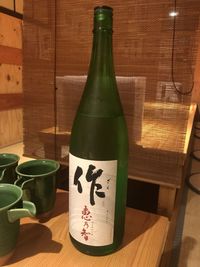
(12, 208)
(37, 178)
(8, 163)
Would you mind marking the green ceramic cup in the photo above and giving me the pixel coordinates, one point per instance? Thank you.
(12, 208)
(8, 163)
(37, 178)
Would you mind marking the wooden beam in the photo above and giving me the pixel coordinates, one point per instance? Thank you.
(166, 200)
(11, 101)
(10, 55)
(12, 13)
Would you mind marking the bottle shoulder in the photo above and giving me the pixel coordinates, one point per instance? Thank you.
(99, 137)
(100, 98)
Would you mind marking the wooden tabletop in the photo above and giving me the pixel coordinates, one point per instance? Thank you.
(47, 244)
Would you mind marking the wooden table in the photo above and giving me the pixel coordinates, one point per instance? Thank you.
(47, 243)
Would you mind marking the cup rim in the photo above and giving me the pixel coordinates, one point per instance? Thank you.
(26, 163)
(12, 163)
(13, 203)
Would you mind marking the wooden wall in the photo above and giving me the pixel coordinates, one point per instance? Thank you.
(10, 80)
(17, 6)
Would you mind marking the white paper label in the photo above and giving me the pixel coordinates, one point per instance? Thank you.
(92, 188)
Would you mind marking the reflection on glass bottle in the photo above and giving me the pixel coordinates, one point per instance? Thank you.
(98, 152)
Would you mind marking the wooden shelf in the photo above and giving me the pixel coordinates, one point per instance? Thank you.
(48, 244)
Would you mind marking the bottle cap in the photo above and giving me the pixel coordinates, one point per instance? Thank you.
(103, 18)
(102, 9)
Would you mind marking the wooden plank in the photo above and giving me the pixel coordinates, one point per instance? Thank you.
(190, 243)
(10, 55)
(166, 200)
(11, 31)
(11, 13)
(10, 78)
(165, 261)
(143, 243)
(177, 205)
(10, 127)
(191, 118)
(8, 4)
(19, 6)
(10, 101)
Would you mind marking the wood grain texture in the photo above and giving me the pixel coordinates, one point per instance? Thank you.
(166, 201)
(48, 243)
(190, 125)
(166, 258)
(190, 243)
(11, 29)
(11, 101)
(10, 5)
(19, 5)
(7, 3)
(10, 55)
(10, 78)
(10, 127)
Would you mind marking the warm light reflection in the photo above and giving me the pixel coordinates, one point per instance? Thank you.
(164, 126)
(173, 14)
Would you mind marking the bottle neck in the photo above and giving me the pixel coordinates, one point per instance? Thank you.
(100, 97)
(101, 63)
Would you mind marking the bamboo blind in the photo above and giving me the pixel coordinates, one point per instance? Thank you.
(57, 48)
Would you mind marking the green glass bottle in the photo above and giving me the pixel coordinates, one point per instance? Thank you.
(98, 152)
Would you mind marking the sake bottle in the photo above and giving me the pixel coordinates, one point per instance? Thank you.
(98, 152)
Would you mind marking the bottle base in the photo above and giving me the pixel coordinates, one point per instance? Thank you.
(95, 250)
(4, 259)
